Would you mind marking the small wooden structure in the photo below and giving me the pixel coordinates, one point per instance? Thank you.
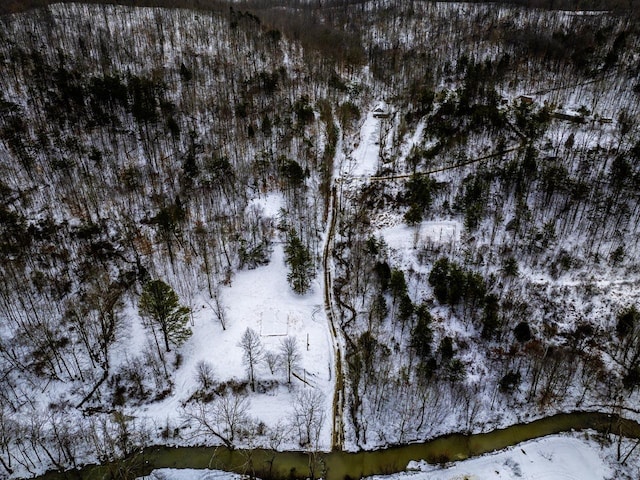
(569, 116)
(381, 112)
(527, 100)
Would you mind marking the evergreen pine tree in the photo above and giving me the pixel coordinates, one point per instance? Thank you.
(298, 257)
(160, 304)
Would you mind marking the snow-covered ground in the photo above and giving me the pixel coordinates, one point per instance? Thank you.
(413, 249)
(556, 457)
(445, 232)
(260, 299)
(364, 160)
(190, 474)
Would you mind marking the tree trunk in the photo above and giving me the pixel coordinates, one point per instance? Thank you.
(165, 334)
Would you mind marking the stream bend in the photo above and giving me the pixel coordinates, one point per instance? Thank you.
(341, 465)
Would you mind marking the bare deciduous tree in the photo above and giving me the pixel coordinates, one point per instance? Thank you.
(115, 436)
(276, 435)
(308, 417)
(290, 354)
(271, 359)
(218, 308)
(8, 433)
(224, 418)
(204, 374)
(253, 352)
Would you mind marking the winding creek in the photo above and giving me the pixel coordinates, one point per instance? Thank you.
(339, 465)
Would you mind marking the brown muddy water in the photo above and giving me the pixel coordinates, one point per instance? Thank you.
(338, 465)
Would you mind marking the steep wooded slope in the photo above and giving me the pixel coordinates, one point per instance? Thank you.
(136, 141)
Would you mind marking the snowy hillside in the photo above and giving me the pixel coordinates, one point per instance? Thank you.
(312, 228)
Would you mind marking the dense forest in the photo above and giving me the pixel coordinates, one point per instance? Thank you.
(14, 6)
(138, 143)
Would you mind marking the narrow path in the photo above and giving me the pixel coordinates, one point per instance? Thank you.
(406, 176)
(572, 85)
(337, 427)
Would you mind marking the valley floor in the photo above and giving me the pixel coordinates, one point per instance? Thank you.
(557, 457)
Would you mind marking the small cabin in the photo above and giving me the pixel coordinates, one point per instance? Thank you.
(526, 99)
(381, 112)
(568, 116)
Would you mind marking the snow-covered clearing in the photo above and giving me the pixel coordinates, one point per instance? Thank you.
(364, 160)
(443, 233)
(262, 300)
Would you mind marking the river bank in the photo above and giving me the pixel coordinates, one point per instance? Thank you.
(338, 465)
(577, 455)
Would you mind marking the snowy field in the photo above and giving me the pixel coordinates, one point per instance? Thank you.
(260, 299)
(363, 162)
(441, 233)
